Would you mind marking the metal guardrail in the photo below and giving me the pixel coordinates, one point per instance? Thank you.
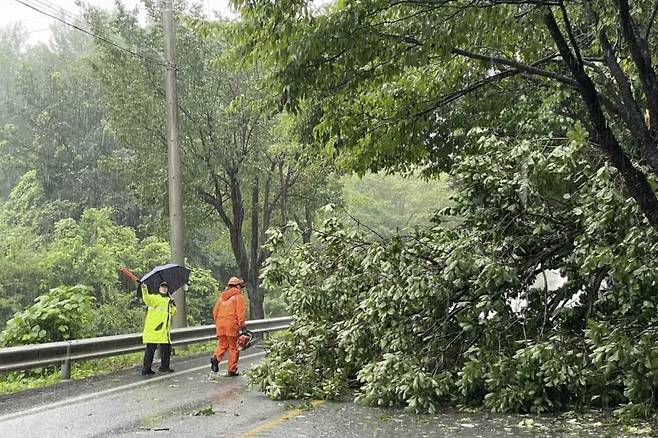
(26, 357)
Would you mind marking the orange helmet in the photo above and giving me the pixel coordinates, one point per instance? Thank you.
(235, 281)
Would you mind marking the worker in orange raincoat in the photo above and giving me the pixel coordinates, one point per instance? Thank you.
(229, 314)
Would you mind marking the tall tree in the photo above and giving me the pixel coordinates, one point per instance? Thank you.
(402, 81)
(235, 162)
(12, 49)
(54, 125)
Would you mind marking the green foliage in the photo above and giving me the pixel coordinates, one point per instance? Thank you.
(201, 296)
(62, 313)
(547, 376)
(453, 314)
(399, 380)
(392, 92)
(20, 381)
(118, 313)
(29, 207)
(19, 272)
(54, 130)
(55, 146)
(91, 250)
(275, 304)
(295, 375)
(496, 92)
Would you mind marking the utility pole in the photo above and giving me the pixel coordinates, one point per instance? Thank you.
(175, 183)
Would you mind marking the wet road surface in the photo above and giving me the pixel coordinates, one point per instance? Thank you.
(188, 403)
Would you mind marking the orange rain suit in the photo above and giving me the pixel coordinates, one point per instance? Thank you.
(229, 314)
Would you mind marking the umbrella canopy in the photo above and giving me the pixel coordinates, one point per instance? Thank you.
(175, 275)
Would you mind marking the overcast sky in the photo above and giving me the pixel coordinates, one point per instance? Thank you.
(38, 24)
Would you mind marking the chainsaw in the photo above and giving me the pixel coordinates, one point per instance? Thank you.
(245, 339)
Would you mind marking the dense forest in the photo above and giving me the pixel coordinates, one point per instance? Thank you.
(83, 187)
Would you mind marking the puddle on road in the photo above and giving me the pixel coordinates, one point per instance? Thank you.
(152, 423)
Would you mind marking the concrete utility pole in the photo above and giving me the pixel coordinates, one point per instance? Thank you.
(175, 182)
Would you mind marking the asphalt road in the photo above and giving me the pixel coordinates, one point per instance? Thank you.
(126, 403)
(188, 403)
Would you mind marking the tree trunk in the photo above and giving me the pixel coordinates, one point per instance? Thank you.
(308, 228)
(249, 260)
(635, 181)
(593, 293)
(256, 298)
(283, 181)
(256, 295)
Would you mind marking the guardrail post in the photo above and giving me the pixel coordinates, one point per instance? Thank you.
(66, 365)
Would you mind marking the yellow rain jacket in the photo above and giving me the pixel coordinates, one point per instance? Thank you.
(158, 318)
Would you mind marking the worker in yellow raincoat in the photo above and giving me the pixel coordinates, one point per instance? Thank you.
(160, 311)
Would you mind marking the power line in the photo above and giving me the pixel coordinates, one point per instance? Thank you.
(93, 34)
(57, 9)
(81, 21)
(90, 33)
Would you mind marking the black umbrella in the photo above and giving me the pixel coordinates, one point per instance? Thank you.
(175, 275)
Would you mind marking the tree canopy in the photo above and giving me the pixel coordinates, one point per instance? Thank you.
(402, 82)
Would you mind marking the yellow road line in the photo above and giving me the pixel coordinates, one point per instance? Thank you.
(276, 421)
